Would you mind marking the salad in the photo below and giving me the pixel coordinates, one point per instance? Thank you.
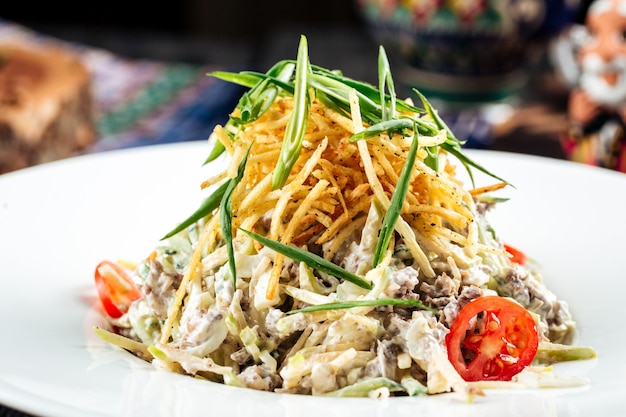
(338, 252)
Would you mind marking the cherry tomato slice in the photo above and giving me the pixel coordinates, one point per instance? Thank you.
(116, 289)
(518, 256)
(492, 339)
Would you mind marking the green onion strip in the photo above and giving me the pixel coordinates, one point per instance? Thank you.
(378, 302)
(226, 215)
(254, 103)
(208, 205)
(312, 260)
(296, 126)
(396, 203)
(384, 78)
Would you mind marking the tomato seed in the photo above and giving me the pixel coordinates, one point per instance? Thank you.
(493, 326)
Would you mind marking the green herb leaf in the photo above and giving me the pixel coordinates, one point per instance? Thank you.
(216, 151)
(364, 90)
(241, 78)
(252, 79)
(312, 260)
(378, 302)
(254, 103)
(403, 126)
(467, 162)
(333, 103)
(264, 88)
(340, 91)
(452, 144)
(385, 79)
(296, 126)
(275, 79)
(432, 157)
(226, 215)
(395, 205)
(208, 205)
(434, 115)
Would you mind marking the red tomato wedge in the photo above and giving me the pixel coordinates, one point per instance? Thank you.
(518, 256)
(492, 339)
(115, 288)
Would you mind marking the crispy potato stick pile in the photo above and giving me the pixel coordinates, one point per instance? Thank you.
(333, 184)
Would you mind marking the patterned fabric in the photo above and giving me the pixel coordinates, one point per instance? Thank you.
(143, 102)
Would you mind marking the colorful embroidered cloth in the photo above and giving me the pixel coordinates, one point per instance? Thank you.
(144, 102)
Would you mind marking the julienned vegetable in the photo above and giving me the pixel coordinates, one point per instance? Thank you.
(334, 253)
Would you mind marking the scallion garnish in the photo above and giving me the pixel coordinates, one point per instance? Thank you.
(432, 157)
(385, 79)
(402, 125)
(378, 302)
(258, 99)
(395, 205)
(226, 215)
(312, 260)
(296, 126)
(208, 205)
(254, 103)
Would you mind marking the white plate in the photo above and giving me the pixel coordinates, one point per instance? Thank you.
(58, 220)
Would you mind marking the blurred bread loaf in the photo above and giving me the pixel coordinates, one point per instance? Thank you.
(45, 106)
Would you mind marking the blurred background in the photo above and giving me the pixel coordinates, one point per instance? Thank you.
(238, 33)
(203, 35)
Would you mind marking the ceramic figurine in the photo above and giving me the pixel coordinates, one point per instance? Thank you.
(596, 71)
